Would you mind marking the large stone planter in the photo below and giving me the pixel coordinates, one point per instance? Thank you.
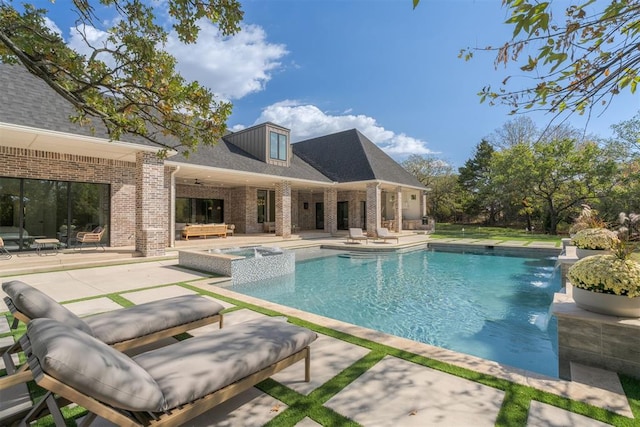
(583, 253)
(612, 305)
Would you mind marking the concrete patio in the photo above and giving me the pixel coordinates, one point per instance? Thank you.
(392, 392)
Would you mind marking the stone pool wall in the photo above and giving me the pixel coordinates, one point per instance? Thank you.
(241, 269)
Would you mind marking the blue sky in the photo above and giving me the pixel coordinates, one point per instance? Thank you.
(321, 66)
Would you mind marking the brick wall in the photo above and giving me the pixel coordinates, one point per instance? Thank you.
(283, 209)
(331, 210)
(373, 207)
(151, 206)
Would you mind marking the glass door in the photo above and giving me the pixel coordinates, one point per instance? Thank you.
(319, 216)
(343, 215)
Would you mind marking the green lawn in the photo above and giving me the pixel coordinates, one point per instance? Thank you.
(445, 230)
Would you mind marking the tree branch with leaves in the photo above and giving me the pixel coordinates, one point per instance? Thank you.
(128, 82)
(578, 57)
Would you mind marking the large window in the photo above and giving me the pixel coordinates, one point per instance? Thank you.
(266, 206)
(199, 211)
(278, 146)
(32, 209)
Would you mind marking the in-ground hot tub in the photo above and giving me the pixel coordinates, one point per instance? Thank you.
(242, 264)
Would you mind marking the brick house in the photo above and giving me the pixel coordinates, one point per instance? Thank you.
(57, 178)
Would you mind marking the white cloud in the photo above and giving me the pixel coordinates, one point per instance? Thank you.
(308, 121)
(52, 26)
(232, 67)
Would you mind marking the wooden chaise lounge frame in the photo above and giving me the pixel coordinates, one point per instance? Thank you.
(60, 393)
(174, 417)
(22, 374)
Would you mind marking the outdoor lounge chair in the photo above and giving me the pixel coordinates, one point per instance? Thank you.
(4, 253)
(91, 238)
(356, 235)
(383, 233)
(122, 329)
(167, 386)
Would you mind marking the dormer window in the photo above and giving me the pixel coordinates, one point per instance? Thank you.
(278, 146)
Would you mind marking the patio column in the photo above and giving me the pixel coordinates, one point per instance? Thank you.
(398, 210)
(151, 205)
(283, 209)
(373, 207)
(331, 210)
(423, 203)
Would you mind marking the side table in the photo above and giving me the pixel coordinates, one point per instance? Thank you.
(43, 243)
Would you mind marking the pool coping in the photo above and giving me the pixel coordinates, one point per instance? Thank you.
(605, 398)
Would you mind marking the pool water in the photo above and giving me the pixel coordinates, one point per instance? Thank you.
(494, 307)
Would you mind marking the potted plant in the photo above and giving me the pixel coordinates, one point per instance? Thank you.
(592, 241)
(610, 283)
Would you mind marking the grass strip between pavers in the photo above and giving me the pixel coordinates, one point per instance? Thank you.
(515, 405)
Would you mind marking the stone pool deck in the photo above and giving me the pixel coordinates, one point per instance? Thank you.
(391, 392)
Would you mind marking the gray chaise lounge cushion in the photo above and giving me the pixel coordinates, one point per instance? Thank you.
(91, 366)
(181, 372)
(35, 304)
(198, 366)
(139, 320)
(118, 325)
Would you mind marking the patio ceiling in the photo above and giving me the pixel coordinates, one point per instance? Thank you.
(216, 177)
(58, 142)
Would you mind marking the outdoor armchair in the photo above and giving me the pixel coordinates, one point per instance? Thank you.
(4, 253)
(91, 238)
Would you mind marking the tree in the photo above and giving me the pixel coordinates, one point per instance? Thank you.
(520, 130)
(555, 176)
(426, 168)
(437, 175)
(129, 82)
(628, 132)
(577, 60)
(475, 178)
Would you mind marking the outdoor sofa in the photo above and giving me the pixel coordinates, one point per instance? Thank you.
(204, 230)
(167, 386)
(122, 329)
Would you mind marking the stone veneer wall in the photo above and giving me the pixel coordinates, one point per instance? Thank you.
(35, 164)
(592, 339)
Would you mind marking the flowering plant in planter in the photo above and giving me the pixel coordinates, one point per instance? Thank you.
(613, 273)
(607, 274)
(595, 238)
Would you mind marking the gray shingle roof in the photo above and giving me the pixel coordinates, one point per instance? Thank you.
(350, 156)
(228, 156)
(341, 157)
(26, 100)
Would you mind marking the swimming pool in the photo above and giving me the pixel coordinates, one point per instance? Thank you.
(490, 306)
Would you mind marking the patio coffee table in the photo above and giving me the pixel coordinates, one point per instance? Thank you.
(43, 243)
